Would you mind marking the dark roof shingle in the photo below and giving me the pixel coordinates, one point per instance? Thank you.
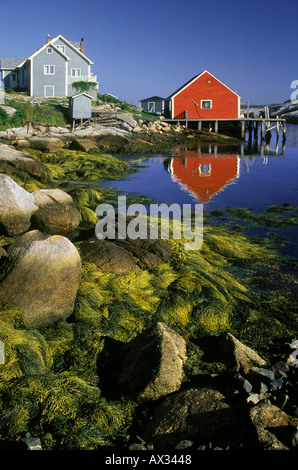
(10, 63)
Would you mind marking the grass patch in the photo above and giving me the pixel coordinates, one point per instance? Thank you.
(46, 114)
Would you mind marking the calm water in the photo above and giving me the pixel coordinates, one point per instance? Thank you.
(220, 176)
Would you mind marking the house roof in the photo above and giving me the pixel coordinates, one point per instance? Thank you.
(49, 44)
(195, 78)
(73, 44)
(76, 44)
(153, 98)
(10, 63)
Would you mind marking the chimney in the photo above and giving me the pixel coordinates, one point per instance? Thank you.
(82, 48)
(48, 38)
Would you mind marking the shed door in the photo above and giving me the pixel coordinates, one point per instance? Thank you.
(49, 91)
(151, 106)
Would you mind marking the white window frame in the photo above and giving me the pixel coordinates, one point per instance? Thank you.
(49, 50)
(203, 101)
(203, 168)
(61, 48)
(76, 72)
(44, 91)
(47, 71)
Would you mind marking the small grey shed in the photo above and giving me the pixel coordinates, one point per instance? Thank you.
(80, 106)
(155, 104)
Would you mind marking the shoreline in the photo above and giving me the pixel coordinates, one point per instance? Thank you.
(233, 286)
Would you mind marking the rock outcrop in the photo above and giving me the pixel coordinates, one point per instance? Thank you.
(57, 213)
(16, 206)
(12, 160)
(42, 277)
(195, 414)
(288, 110)
(147, 368)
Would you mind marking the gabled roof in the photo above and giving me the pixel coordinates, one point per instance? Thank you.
(52, 44)
(83, 93)
(10, 63)
(49, 44)
(153, 98)
(71, 44)
(194, 79)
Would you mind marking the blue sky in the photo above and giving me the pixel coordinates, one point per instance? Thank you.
(145, 48)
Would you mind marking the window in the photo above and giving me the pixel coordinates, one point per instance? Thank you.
(75, 72)
(61, 48)
(49, 69)
(49, 90)
(49, 50)
(205, 169)
(206, 104)
(13, 77)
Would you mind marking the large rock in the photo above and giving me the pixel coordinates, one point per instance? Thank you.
(42, 277)
(149, 253)
(127, 118)
(107, 256)
(50, 144)
(147, 368)
(57, 213)
(196, 414)
(16, 206)
(274, 428)
(28, 237)
(233, 352)
(12, 159)
(84, 145)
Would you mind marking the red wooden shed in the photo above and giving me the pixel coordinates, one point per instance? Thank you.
(203, 97)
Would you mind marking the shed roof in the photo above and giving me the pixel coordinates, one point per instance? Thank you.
(153, 98)
(80, 94)
(195, 78)
(10, 63)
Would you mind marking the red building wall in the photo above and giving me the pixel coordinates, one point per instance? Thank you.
(225, 103)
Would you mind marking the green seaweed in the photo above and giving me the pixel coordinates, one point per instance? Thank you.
(49, 382)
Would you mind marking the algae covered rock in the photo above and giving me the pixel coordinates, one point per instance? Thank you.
(49, 144)
(107, 256)
(16, 206)
(195, 414)
(12, 160)
(146, 368)
(42, 277)
(57, 213)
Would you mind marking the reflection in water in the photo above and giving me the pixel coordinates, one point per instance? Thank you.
(243, 175)
(205, 170)
(203, 175)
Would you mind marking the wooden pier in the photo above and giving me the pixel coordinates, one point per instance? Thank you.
(253, 126)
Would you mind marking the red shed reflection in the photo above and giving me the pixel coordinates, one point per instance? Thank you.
(204, 174)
